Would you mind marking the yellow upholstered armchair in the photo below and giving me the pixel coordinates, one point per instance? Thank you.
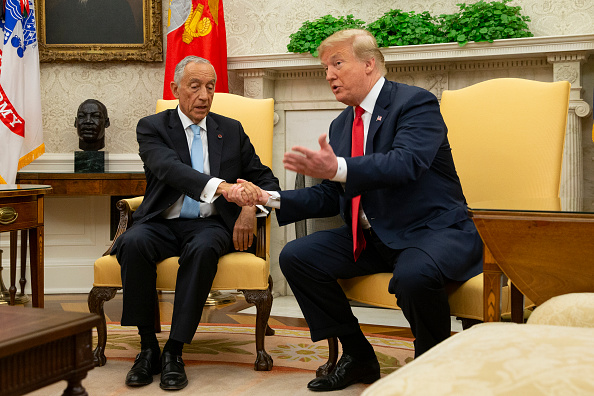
(507, 138)
(241, 271)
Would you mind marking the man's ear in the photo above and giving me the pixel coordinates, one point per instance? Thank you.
(369, 65)
(76, 122)
(173, 87)
(106, 122)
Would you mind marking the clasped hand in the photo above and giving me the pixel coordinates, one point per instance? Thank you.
(320, 164)
(245, 193)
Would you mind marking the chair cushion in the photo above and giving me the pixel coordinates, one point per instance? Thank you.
(235, 271)
(370, 289)
(574, 309)
(499, 359)
(466, 299)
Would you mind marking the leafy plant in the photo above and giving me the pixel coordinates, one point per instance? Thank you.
(396, 27)
(481, 21)
(311, 34)
(484, 21)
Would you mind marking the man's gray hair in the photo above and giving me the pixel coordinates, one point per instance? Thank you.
(181, 66)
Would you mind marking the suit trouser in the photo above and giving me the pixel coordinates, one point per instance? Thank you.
(312, 265)
(199, 244)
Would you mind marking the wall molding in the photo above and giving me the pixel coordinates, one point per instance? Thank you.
(64, 163)
(449, 52)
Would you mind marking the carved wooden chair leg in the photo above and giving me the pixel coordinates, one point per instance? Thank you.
(327, 367)
(262, 299)
(157, 314)
(96, 299)
(269, 330)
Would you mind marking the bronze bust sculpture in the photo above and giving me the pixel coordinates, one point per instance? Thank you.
(90, 122)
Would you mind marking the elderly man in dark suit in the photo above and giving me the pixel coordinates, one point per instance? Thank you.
(190, 157)
(389, 172)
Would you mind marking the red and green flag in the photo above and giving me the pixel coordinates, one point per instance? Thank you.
(196, 27)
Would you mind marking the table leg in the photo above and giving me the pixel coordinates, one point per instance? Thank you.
(492, 278)
(23, 280)
(517, 304)
(3, 289)
(13, 258)
(36, 252)
(75, 387)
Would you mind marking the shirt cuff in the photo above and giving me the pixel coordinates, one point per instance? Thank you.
(209, 194)
(341, 171)
(263, 211)
(273, 200)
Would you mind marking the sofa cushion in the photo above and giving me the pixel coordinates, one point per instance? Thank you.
(574, 309)
(499, 359)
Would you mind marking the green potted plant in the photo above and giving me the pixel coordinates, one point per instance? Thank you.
(480, 21)
(397, 27)
(311, 34)
(484, 21)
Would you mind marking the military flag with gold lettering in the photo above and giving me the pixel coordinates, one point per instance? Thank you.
(21, 134)
(196, 27)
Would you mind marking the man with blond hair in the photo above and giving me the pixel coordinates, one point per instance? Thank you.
(388, 170)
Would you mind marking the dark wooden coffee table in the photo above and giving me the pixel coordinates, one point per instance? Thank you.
(39, 347)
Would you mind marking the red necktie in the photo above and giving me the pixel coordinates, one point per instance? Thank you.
(357, 143)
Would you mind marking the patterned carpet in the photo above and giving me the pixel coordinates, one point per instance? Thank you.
(219, 361)
(289, 347)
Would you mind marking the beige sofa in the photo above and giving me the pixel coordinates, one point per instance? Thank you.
(552, 354)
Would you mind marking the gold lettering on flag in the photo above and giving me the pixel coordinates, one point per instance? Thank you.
(9, 116)
(195, 25)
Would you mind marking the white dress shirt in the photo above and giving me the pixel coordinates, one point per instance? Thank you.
(208, 195)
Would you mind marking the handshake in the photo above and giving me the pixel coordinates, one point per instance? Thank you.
(244, 193)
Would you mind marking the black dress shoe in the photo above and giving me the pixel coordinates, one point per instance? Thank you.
(348, 371)
(173, 375)
(147, 364)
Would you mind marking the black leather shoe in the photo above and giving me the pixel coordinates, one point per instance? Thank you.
(147, 364)
(173, 375)
(348, 371)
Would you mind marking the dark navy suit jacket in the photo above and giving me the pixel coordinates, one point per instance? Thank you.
(164, 151)
(409, 187)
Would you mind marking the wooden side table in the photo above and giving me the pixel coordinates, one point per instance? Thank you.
(21, 208)
(40, 347)
(544, 253)
(114, 183)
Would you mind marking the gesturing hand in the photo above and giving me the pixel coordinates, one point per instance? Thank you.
(321, 164)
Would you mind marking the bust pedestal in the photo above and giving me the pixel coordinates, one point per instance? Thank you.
(89, 162)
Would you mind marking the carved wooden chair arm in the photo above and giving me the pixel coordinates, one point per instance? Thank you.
(129, 205)
(126, 207)
(261, 237)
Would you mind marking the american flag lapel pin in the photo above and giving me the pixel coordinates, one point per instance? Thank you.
(379, 118)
